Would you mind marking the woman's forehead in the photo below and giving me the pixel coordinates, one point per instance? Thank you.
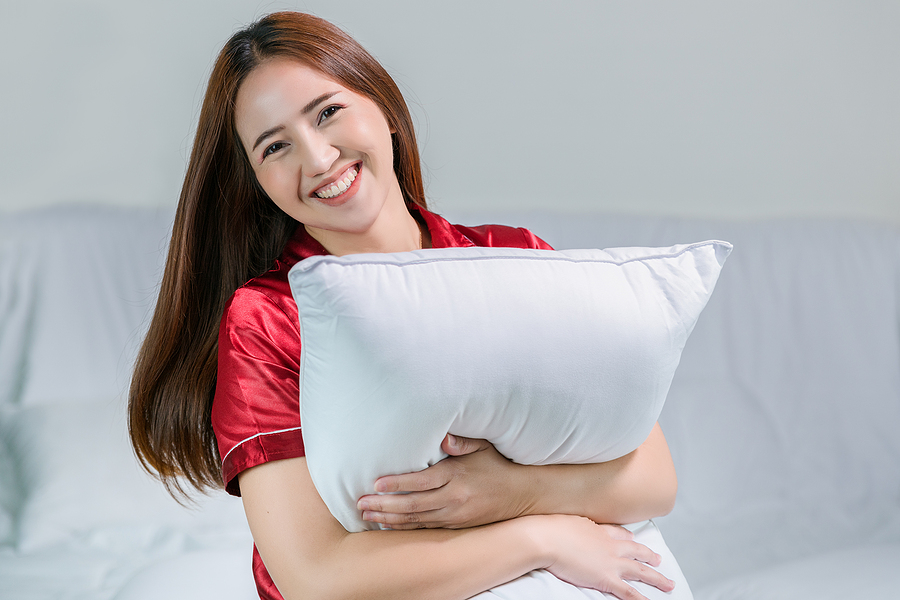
(278, 89)
(283, 79)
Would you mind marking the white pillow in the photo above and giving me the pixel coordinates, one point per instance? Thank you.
(84, 488)
(554, 356)
(223, 574)
(543, 585)
(9, 493)
(855, 572)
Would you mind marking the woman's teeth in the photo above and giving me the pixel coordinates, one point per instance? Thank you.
(341, 186)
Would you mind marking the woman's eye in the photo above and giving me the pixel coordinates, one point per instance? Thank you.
(273, 148)
(328, 113)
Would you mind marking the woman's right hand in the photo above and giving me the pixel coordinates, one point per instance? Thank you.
(600, 557)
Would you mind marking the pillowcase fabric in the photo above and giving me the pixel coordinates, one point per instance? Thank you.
(83, 486)
(553, 356)
(540, 584)
(9, 492)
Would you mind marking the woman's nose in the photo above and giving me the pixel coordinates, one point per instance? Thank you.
(319, 156)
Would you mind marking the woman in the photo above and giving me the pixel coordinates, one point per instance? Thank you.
(305, 146)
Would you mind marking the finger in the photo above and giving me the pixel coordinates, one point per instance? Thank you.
(418, 502)
(411, 526)
(643, 573)
(431, 478)
(404, 520)
(623, 591)
(617, 532)
(457, 445)
(643, 554)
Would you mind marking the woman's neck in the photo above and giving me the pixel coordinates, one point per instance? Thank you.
(395, 230)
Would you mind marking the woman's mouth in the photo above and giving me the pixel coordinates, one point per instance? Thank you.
(339, 187)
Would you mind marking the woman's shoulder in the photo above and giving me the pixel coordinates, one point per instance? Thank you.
(263, 297)
(444, 234)
(261, 313)
(270, 292)
(502, 236)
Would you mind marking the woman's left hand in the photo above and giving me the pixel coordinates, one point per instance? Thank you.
(475, 485)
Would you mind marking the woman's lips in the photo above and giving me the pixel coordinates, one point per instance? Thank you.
(339, 187)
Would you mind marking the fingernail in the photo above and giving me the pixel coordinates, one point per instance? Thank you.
(452, 441)
(362, 505)
(366, 516)
(380, 486)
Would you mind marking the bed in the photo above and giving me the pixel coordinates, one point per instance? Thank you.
(781, 417)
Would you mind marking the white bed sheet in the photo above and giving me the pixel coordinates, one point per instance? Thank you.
(867, 571)
(781, 418)
(78, 572)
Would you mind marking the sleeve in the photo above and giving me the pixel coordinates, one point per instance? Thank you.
(256, 409)
(533, 241)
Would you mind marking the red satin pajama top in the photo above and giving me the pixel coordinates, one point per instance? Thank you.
(256, 411)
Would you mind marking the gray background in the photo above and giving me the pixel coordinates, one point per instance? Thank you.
(691, 108)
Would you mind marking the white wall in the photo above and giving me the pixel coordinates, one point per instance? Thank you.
(718, 109)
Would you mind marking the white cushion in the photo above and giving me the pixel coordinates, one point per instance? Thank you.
(860, 572)
(84, 488)
(555, 357)
(77, 287)
(9, 494)
(223, 574)
(542, 585)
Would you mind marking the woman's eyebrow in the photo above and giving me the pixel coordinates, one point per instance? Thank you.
(305, 111)
(316, 101)
(266, 134)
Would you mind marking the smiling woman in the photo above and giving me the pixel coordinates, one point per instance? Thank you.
(324, 157)
(305, 147)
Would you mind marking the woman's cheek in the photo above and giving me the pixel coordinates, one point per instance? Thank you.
(277, 184)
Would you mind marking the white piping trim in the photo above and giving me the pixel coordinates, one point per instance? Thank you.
(244, 441)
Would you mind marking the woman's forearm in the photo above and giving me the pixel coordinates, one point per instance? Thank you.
(433, 563)
(640, 485)
(477, 485)
(309, 555)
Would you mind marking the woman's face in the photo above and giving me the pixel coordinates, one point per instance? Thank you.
(321, 152)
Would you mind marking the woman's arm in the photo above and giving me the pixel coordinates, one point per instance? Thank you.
(638, 486)
(309, 555)
(477, 485)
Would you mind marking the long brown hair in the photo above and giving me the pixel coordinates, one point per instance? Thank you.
(226, 232)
